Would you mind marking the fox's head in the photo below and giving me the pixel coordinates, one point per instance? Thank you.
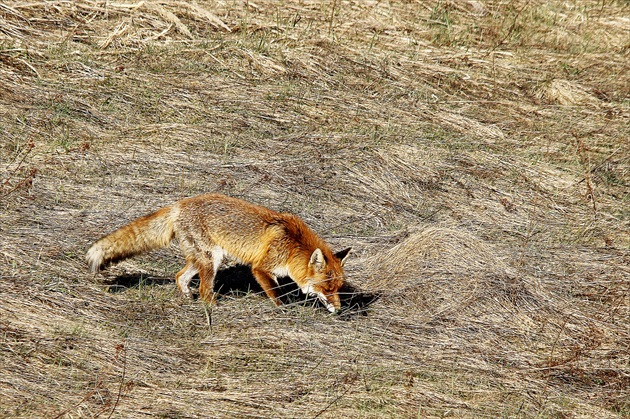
(325, 276)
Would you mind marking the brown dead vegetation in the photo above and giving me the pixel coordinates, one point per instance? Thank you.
(475, 154)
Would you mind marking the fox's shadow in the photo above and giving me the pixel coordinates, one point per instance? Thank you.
(238, 280)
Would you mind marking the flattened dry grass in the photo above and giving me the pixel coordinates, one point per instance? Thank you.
(474, 154)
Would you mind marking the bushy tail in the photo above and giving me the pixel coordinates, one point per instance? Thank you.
(150, 232)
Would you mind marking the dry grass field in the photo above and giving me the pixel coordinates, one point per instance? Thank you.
(475, 154)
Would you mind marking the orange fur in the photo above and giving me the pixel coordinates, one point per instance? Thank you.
(212, 226)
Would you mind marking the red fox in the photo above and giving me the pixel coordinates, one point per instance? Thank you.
(211, 226)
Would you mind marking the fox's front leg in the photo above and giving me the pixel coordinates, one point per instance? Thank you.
(268, 285)
(206, 284)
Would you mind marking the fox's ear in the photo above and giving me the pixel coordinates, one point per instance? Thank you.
(317, 260)
(342, 255)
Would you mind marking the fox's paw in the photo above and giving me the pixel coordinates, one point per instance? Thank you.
(281, 308)
(208, 297)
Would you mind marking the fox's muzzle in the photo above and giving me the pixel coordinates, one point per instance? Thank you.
(331, 301)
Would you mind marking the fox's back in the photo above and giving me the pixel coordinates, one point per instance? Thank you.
(242, 228)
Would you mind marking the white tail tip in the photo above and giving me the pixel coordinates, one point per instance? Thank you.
(94, 257)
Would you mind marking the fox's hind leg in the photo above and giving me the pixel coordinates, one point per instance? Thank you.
(184, 276)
